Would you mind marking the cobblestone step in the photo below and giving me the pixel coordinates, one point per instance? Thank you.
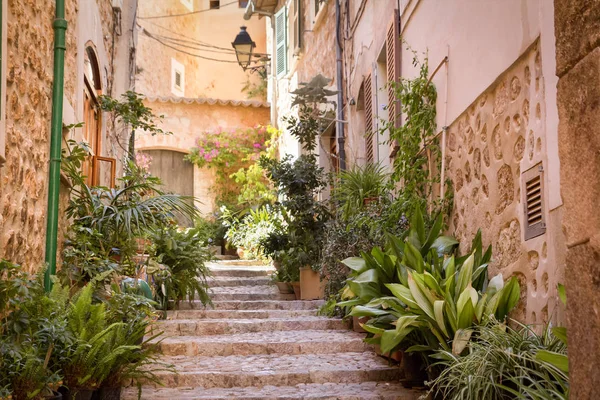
(238, 314)
(226, 281)
(254, 305)
(277, 370)
(263, 292)
(188, 327)
(277, 342)
(325, 391)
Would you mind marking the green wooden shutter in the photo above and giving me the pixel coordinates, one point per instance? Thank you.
(281, 41)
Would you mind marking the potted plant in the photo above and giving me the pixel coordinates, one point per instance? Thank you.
(311, 285)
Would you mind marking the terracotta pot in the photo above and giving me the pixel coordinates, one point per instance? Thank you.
(297, 290)
(106, 393)
(311, 286)
(370, 200)
(277, 264)
(284, 287)
(356, 321)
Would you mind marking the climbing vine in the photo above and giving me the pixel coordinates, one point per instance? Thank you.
(416, 165)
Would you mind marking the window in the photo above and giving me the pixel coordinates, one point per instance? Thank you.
(318, 4)
(315, 14)
(2, 82)
(215, 4)
(243, 3)
(177, 78)
(281, 41)
(189, 4)
(393, 52)
(532, 192)
(296, 21)
(97, 169)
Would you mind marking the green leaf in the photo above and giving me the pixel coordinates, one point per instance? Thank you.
(433, 234)
(438, 310)
(362, 311)
(509, 298)
(444, 244)
(372, 329)
(423, 302)
(418, 225)
(432, 283)
(404, 294)
(465, 309)
(465, 274)
(558, 360)
(355, 263)
(413, 258)
(561, 333)
(562, 293)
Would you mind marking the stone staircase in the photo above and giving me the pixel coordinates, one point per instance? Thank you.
(258, 344)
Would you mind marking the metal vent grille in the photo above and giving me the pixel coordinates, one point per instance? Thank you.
(532, 184)
(369, 148)
(178, 79)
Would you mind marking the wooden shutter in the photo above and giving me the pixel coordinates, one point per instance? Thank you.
(393, 51)
(297, 25)
(532, 192)
(281, 41)
(368, 90)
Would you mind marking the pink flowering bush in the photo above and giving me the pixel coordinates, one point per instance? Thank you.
(228, 153)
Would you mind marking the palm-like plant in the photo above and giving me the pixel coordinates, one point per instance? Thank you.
(107, 220)
(359, 184)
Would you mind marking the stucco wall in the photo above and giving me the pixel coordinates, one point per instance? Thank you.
(23, 179)
(203, 78)
(189, 120)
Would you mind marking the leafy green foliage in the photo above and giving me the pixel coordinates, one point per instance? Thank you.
(233, 157)
(420, 286)
(357, 186)
(179, 266)
(505, 363)
(417, 160)
(132, 111)
(106, 221)
(254, 228)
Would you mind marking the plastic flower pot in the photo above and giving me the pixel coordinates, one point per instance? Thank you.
(311, 286)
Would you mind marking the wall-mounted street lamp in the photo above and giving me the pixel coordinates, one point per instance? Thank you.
(243, 46)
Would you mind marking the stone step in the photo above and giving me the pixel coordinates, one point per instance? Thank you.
(226, 281)
(241, 272)
(311, 391)
(263, 292)
(276, 342)
(190, 327)
(239, 263)
(254, 305)
(238, 314)
(276, 370)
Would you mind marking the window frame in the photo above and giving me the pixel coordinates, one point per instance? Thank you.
(177, 67)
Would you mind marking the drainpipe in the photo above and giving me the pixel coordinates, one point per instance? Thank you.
(339, 131)
(60, 28)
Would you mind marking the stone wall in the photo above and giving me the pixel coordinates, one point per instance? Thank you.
(501, 135)
(23, 179)
(577, 27)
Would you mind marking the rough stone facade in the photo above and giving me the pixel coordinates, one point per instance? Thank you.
(500, 136)
(29, 77)
(577, 27)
